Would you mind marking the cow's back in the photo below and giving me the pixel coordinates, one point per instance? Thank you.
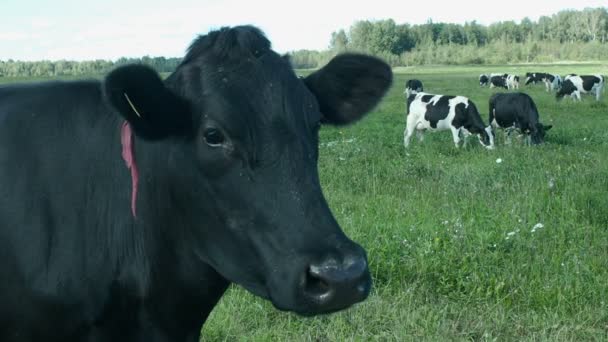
(513, 108)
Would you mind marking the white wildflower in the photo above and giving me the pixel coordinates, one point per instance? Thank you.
(537, 226)
(498, 161)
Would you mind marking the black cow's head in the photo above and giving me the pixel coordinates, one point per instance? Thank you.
(567, 88)
(538, 134)
(530, 78)
(235, 133)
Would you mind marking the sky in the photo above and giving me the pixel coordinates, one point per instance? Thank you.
(109, 29)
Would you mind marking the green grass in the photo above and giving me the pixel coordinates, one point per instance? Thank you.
(449, 231)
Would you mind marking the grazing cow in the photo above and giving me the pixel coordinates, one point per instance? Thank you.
(484, 80)
(517, 111)
(552, 82)
(534, 77)
(443, 112)
(512, 82)
(499, 81)
(128, 205)
(574, 85)
(413, 86)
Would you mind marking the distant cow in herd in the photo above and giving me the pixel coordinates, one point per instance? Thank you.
(442, 112)
(506, 81)
(498, 81)
(517, 111)
(552, 82)
(575, 85)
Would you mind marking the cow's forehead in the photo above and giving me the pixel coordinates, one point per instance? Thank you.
(262, 95)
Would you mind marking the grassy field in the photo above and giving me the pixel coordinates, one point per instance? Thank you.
(450, 232)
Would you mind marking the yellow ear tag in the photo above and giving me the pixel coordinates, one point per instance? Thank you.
(131, 104)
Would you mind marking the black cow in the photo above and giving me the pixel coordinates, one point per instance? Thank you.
(511, 111)
(498, 81)
(483, 80)
(127, 206)
(413, 86)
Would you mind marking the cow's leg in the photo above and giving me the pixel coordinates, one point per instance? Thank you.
(577, 94)
(465, 137)
(455, 136)
(407, 134)
(508, 132)
(420, 135)
(598, 90)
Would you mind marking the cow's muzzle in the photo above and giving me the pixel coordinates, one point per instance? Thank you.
(335, 283)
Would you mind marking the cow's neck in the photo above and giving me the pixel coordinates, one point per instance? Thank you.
(178, 278)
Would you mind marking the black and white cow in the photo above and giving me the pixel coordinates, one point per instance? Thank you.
(552, 82)
(498, 81)
(443, 112)
(484, 80)
(517, 111)
(512, 81)
(413, 86)
(128, 205)
(534, 77)
(574, 85)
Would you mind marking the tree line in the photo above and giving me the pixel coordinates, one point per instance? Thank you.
(567, 35)
(12, 68)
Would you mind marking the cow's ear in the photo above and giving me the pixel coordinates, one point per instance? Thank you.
(349, 86)
(548, 127)
(140, 96)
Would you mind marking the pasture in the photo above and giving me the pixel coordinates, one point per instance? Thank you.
(450, 233)
(463, 244)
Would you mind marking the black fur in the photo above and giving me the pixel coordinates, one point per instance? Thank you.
(519, 111)
(499, 81)
(567, 89)
(483, 80)
(437, 111)
(589, 82)
(414, 84)
(370, 79)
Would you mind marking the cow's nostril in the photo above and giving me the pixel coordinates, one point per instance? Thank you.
(316, 285)
(332, 285)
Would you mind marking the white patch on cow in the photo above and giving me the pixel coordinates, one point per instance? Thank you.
(512, 82)
(557, 82)
(409, 91)
(491, 136)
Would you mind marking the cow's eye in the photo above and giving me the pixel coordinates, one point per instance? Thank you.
(213, 137)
